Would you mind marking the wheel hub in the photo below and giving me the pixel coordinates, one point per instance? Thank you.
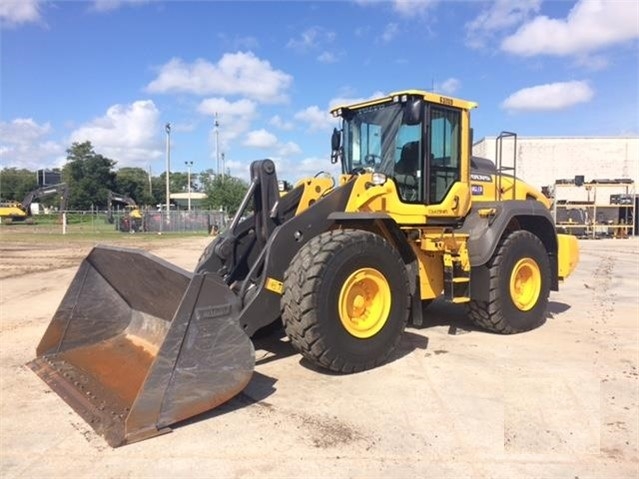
(525, 284)
(364, 303)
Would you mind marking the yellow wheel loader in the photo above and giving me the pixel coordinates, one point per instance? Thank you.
(138, 344)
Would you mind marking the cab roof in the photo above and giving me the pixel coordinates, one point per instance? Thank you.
(429, 96)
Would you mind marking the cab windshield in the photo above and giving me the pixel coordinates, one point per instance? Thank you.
(380, 139)
(369, 138)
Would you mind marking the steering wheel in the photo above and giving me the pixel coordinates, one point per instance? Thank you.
(360, 170)
(408, 187)
(372, 159)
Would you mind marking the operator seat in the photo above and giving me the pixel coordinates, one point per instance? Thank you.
(406, 171)
(408, 159)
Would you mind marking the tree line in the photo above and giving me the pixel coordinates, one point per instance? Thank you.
(90, 176)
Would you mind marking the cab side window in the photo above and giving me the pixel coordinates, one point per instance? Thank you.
(445, 165)
(409, 163)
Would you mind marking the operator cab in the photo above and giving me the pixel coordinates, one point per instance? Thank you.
(409, 138)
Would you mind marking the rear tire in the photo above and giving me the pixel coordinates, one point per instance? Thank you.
(346, 300)
(519, 286)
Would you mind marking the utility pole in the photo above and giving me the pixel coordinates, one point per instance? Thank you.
(189, 164)
(167, 128)
(217, 143)
(150, 182)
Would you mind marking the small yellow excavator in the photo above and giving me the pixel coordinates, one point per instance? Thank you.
(138, 344)
(132, 220)
(12, 212)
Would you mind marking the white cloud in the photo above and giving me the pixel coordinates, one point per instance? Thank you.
(316, 118)
(234, 117)
(281, 124)
(265, 140)
(390, 31)
(591, 25)
(500, 15)
(260, 139)
(592, 62)
(366, 3)
(239, 169)
(109, 5)
(235, 74)
(411, 8)
(551, 96)
(183, 127)
(311, 39)
(327, 57)
(238, 42)
(362, 31)
(294, 169)
(348, 100)
(288, 167)
(406, 8)
(16, 12)
(242, 108)
(317, 40)
(289, 148)
(25, 144)
(129, 134)
(23, 130)
(448, 86)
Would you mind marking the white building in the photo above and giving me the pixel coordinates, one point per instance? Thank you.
(543, 160)
(182, 199)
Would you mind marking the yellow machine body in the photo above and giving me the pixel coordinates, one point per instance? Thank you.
(137, 344)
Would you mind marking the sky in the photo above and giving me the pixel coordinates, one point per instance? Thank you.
(115, 72)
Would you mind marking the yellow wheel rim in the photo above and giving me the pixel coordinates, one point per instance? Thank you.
(364, 303)
(525, 284)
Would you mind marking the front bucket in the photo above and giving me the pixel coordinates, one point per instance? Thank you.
(138, 344)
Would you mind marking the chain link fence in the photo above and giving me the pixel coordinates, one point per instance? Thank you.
(173, 222)
(123, 221)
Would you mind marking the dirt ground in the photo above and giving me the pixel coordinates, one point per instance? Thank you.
(560, 401)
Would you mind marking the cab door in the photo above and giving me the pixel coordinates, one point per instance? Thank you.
(446, 172)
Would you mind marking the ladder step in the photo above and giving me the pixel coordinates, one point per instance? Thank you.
(461, 299)
(456, 280)
(461, 280)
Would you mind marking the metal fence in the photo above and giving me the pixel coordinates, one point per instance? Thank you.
(98, 222)
(173, 222)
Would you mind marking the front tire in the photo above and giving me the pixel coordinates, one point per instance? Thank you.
(519, 286)
(346, 300)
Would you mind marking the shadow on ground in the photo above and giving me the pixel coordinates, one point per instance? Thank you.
(442, 313)
(258, 389)
(555, 308)
(436, 313)
(271, 344)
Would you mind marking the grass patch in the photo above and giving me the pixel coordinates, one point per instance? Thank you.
(53, 234)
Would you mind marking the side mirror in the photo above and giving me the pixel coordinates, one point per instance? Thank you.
(336, 139)
(414, 111)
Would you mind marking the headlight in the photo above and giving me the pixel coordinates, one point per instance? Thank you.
(378, 179)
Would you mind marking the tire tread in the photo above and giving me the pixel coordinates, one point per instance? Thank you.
(302, 281)
(489, 314)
